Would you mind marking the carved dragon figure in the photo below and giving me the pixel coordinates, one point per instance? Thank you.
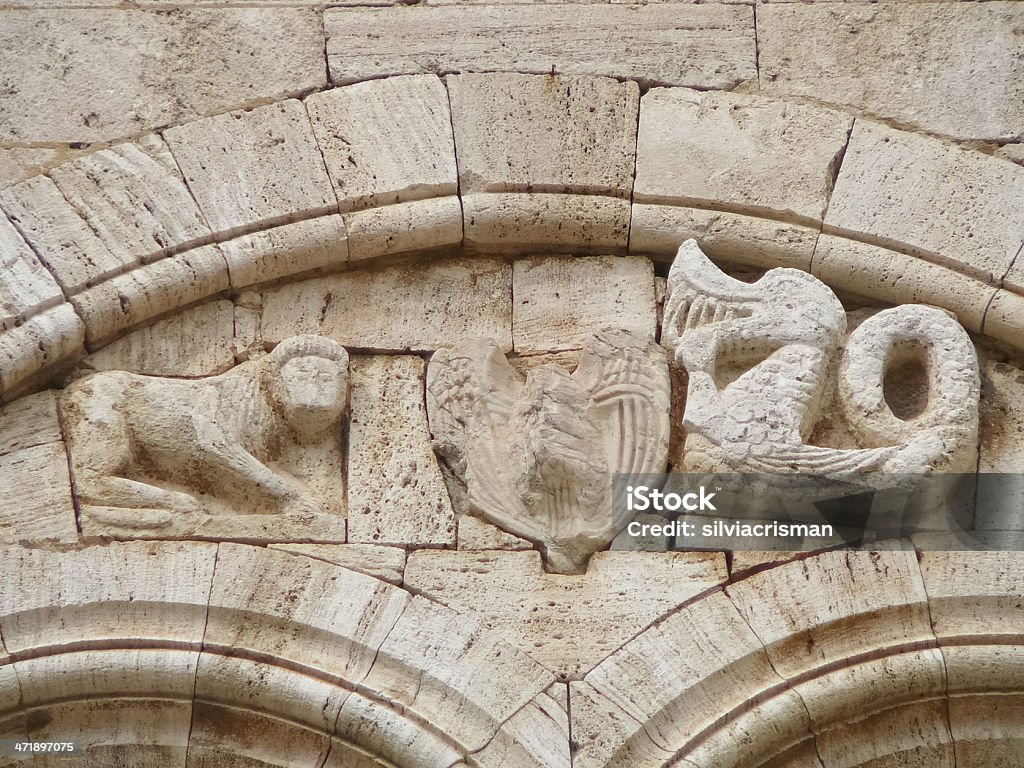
(787, 331)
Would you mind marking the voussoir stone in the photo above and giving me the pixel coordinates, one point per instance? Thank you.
(385, 563)
(37, 347)
(168, 67)
(544, 133)
(955, 206)
(709, 46)
(396, 494)
(256, 166)
(950, 68)
(26, 287)
(738, 152)
(386, 141)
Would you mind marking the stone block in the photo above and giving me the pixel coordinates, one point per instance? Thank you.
(538, 734)
(604, 733)
(953, 69)
(396, 494)
(133, 197)
(28, 422)
(429, 305)
(879, 274)
(476, 535)
(561, 301)
(1004, 319)
(541, 222)
(36, 491)
(226, 737)
(117, 305)
(543, 133)
(168, 66)
(169, 347)
(659, 230)
(739, 153)
(26, 287)
(566, 623)
(255, 167)
(386, 141)
(912, 736)
(385, 563)
(710, 46)
(986, 730)
(420, 225)
(287, 250)
(37, 347)
(954, 206)
(65, 243)
(20, 163)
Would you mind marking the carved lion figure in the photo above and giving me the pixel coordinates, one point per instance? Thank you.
(146, 450)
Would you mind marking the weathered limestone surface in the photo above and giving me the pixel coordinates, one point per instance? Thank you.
(476, 534)
(916, 735)
(538, 734)
(739, 153)
(710, 46)
(948, 68)
(561, 301)
(1002, 418)
(427, 306)
(20, 163)
(543, 133)
(893, 185)
(35, 489)
(286, 250)
(386, 141)
(169, 347)
(567, 623)
(29, 352)
(26, 287)
(396, 494)
(386, 563)
(420, 225)
(261, 165)
(1004, 319)
(1012, 152)
(169, 67)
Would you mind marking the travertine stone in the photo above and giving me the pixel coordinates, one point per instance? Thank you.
(1001, 449)
(254, 453)
(386, 141)
(986, 730)
(959, 207)
(538, 734)
(169, 347)
(542, 133)
(560, 302)
(536, 455)
(36, 493)
(257, 592)
(118, 304)
(396, 494)
(673, 44)
(737, 152)
(884, 275)
(25, 285)
(476, 534)
(567, 623)
(442, 666)
(603, 734)
(531, 223)
(168, 67)
(1004, 319)
(386, 563)
(428, 305)
(1012, 152)
(63, 240)
(20, 163)
(28, 422)
(154, 591)
(948, 68)
(260, 166)
(223, 737)
(678, 677)
(248, 340)
(33, 349)
(417, 226)
(132, 196)
(287, 250)
(912, 736)
(659, 230)
(857, 602)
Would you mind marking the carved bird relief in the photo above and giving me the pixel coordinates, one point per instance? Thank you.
(537, 455)
(786, 333)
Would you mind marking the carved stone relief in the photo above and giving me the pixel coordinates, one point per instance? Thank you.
(760, 359)
(537, 455)
(255, 452)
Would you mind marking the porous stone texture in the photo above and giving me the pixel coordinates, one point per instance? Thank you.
(261, 165)
(420, 225)
(428, 306)
(169, 67)
(26, 287)
(892, 182)
(949, 68)
(42, 345)
(559, 302)
(385, 563)
(34, 481)
(386, 141)
(1000, 489)
(476, 534)
(710, 46)
(20, 163)
(396, 492)
(567, 623)
(738, 153)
